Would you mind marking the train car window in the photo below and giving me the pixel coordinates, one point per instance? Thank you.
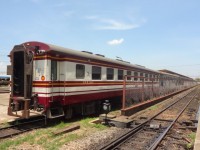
(150, 77)
(156, 78)
(110, 74)
(146, 77)
(120, 74)
(161, 83)
(153, 77)
(53, 70)
(80, 71)
(141, 75)
(96, 73)
(135, 76)
(129, 74)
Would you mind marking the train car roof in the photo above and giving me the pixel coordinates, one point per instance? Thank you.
(174, 73)
(50, 47)
(165, 73)
(85, 54)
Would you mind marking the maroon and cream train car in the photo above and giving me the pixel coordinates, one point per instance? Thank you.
(58, 81)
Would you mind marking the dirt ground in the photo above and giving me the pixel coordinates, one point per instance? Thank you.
(4, 89)
(4, 99)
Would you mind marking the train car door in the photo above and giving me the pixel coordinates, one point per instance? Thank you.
(54, 69)
(22, 74)
(62, 75)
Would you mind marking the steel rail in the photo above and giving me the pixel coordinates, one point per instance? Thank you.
(160, 138)
(17, 124)
(21, 128)
(117, 142)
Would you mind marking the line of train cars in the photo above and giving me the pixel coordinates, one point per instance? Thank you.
(61, 82)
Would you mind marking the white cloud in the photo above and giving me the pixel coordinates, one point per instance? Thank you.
(111, 24)
(115, 42)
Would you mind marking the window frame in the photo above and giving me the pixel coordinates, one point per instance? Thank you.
(150, 77)
(120, 76)
(141, 75)
(99, 72)
(135, 74)
(146, 76)
(129, 73)
(54, 70)
(80, 77)
(109, 73)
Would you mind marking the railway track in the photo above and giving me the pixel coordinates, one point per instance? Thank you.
(150, 133)
(22, 126)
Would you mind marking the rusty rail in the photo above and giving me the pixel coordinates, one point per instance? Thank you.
(117, 142)
(24, 126)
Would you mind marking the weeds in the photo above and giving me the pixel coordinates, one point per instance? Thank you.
(192, 137)
(86, 124)
(154, 107)
(46, 139)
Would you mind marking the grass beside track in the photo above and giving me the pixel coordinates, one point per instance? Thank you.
(192, 137)
(45, 139)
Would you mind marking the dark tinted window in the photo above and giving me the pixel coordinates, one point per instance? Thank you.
(153, 76)
(120, 74)
(141, 75)
(80, 71)
(150, 78)
(135, 76)
(96, 73)
(157, 77)
(53, 70)
(146, 77)
(129, 74)
(110, 74)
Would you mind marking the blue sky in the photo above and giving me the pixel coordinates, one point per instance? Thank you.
(154, 33)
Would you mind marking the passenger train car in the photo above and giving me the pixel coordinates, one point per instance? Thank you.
(59, 81)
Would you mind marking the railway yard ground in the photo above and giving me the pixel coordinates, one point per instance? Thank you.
(94, 136)
(4, 97)
(4, 89)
